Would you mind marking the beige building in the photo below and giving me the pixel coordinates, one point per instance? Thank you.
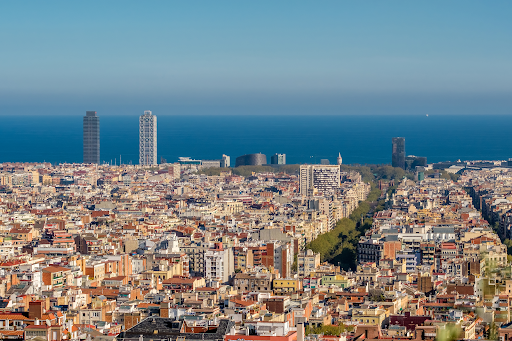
(319, 178)
(307, 263)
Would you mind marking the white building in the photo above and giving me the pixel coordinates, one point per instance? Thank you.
(225, 162)
(147, 139)
(323, 178)
(219, 264)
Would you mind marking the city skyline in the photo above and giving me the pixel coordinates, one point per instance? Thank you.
(264, 202)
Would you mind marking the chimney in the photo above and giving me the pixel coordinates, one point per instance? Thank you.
(300, 332)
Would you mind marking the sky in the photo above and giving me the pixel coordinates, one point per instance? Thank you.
(256, 57)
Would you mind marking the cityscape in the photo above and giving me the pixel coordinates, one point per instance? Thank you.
(328, 171)
(197, 249)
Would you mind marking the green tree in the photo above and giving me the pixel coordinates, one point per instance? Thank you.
(493, 331)
(327, 329)
(295, 263)
(508, 243)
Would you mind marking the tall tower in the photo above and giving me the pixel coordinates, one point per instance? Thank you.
(398, 152)
(91, 137)
(339, 159)
(147, 139)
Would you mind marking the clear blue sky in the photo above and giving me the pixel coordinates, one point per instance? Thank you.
(250, 57)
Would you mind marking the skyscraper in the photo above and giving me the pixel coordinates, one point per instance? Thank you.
(278, 159)
(398, 152)
(91, 137)
(147, 139)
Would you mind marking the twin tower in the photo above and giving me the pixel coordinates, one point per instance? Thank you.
(147, 138)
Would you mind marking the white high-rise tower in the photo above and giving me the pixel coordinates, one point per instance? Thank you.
(147, 139)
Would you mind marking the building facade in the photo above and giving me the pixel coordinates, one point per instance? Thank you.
(147, 139)
(323, 178)
(307, 262)
(225, 162)
(91, 137)
(398, 152)
(218, 264)
(278, 159)
(251, 160)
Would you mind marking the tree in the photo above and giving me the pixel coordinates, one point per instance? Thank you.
(376, 295)
(493, 331)
(327, 329)
(508, 243)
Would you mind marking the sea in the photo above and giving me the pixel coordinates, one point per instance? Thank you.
(304, 139)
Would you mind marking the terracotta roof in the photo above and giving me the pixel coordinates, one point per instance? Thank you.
(176, 280)
(41, 326)
(55, 269)
(12, 332)
(147, 305)
(13, 317)
(243, 303)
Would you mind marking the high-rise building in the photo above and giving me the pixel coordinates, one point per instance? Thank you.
(305, 182)
(91, 137)
(225, 162)
(278, 159)
(398, 152)
(323, 178)
(147, 139)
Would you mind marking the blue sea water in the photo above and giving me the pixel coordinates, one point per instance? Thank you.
(304, 139)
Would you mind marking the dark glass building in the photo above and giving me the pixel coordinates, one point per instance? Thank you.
(411, 162)
(278, 159)
(251, 160)
(398, 152)
(91, 137)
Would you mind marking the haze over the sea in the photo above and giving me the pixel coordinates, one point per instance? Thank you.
(256, 58)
